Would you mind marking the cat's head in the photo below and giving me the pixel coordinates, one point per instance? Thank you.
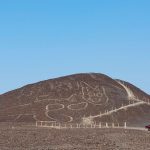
(91, 94)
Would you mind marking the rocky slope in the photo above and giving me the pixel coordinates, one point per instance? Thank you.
(82, 98)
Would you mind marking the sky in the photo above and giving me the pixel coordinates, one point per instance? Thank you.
(43, 39)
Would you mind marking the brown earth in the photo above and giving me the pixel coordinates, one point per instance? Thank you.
(31, 138)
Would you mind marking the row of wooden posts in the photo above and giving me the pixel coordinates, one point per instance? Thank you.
(77, 125)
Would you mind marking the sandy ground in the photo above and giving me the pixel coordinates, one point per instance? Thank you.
(32, 138)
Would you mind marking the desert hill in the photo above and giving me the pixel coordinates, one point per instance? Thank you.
(77, 98)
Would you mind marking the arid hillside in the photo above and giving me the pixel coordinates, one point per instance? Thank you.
(79, 98)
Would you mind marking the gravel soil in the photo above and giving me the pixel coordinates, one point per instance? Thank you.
(32, 138)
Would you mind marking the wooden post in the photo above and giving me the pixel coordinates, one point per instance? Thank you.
(58, 125)
(77, 125)
(125, 125)
(100, 125)
(113, 125)
(106, 125)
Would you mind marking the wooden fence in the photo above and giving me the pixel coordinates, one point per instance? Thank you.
(58, 125)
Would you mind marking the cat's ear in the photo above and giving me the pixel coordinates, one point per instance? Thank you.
(86, 88)
(98, 89)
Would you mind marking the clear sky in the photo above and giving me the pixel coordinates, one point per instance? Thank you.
(42, 39)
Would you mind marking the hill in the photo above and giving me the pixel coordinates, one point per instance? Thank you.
(82, 98)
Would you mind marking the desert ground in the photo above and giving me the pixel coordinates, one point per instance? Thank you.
(38, 138)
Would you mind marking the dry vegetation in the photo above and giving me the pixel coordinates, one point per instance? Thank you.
(31, 138)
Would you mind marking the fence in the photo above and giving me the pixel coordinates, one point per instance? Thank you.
(58, 125)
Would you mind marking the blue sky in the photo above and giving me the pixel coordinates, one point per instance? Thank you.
(42, 39)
